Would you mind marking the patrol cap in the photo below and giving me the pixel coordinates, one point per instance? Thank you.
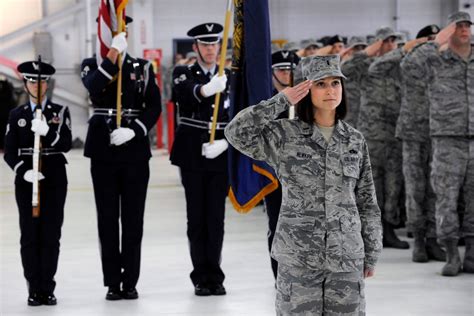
(357, 41)
(428, 30)
(284, 59)
(310, 42)
(127, 19)
(370, 39)
(459, 16)
(292, 46)
(298, 73)
(335, 39)
(208, 33)
(401, 38)
(31, 69)
(191, 55)
(384, 33)
(320, 67)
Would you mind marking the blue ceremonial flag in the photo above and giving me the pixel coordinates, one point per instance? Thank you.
(250, 180)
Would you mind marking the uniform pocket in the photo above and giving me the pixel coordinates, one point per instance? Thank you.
(352, 242)
(350, 166)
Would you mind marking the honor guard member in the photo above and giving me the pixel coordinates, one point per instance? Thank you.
(119, 160)
(283, 63)
(39, 235)
(203, 166)
(449, 75)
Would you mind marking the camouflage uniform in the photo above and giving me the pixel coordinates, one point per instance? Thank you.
(377, 117)
(451, 95)
(329, 227)
(356, 69)
(413, 130)
(355, 72)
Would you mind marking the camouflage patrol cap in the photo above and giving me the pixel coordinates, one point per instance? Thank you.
(191, 55)
(357, 41)
(401, 38)
(292, 46)
(384, 32)
(310, 42)
(459, 16)
(428, 30)
(320, 67)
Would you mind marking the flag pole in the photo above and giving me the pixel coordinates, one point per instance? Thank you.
(120, 28)
(221, 68)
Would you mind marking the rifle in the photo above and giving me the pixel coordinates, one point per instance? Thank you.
(35, 201)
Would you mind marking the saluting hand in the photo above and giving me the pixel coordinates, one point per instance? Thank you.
(326, 50)
(410, 44)
(374, 48)
(445, 34)
(298, 92)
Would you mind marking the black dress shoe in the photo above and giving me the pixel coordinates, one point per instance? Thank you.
(49, 299)
(201, 290)
(113, 294)
(34, 299)
(130, 294)
(217, 289)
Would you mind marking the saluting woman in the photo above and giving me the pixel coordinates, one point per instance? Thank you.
(329, 233)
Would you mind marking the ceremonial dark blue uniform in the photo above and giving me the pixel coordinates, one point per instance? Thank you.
(40, 235)
(205, 180)
(120, 174)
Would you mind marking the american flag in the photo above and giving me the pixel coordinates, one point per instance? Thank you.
(108, 25)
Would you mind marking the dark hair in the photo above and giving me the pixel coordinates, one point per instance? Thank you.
(304, 108)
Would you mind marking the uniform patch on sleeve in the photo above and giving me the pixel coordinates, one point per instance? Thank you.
(181, 78)
(85, 71)
(22, 122)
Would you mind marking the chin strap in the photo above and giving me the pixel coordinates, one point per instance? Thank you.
(279, 82)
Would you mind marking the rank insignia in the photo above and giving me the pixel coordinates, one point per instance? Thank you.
(55, 120)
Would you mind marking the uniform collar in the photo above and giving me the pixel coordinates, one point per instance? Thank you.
(33, 105)
(205, 70)
(340, 132)
(449, 54)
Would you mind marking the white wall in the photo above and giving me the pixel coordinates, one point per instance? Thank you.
(300, 19)
(297, 19)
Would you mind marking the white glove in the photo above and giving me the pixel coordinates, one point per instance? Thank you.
(211, 151)
(121, 135)
(28, 176)
(119, 42)
(217, 84)
(39, 126)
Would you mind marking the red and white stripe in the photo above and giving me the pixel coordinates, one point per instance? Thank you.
(108, 25)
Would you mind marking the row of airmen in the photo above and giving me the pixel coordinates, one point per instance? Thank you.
(413, 102)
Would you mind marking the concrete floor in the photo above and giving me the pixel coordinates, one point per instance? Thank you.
(399, 288)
